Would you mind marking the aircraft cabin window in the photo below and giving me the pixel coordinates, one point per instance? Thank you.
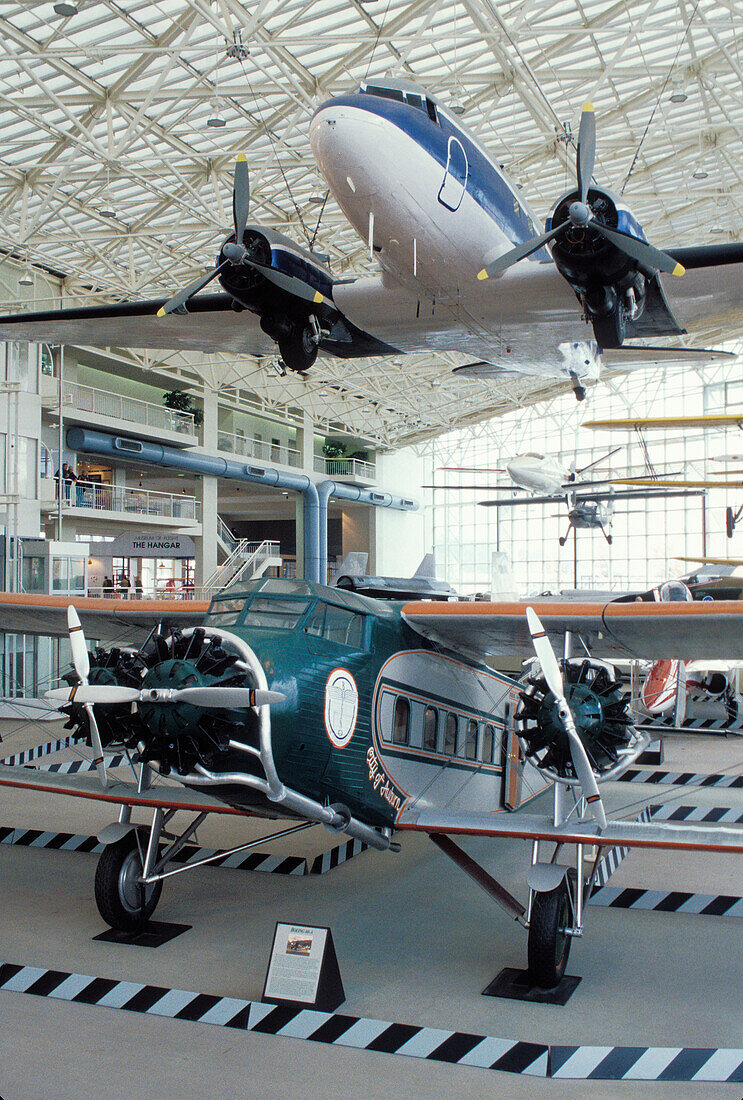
(488, 743)
(470, 748)
(336, 624)
(430, 729)
(272, 613)
(450, 734)
(414, 100)
(401, 722)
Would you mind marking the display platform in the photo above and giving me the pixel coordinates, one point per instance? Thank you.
(416, 944)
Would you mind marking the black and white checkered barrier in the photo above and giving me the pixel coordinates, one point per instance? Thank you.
(38, 751)
(669, 901)
(190, 853)
(681, 779)
(595, 1063)
(697, 814)
(72, 767)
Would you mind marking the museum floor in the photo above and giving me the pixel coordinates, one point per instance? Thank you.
(416, 943)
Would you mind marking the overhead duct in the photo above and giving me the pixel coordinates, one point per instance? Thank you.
(315, 496)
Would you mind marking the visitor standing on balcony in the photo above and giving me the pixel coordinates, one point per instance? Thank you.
(124, 586)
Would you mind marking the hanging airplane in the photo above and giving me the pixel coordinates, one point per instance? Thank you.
(591, 509)
(310, 703)
(447, 228)
(535, 473)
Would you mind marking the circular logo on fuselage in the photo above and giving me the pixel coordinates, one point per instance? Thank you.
(341, 707)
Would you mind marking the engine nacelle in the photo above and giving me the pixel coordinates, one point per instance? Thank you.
(600, 709)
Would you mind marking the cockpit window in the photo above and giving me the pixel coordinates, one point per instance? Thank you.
(414, 100)
(383, 93)
(336, 624)
(224, 612)
(431, 108)
(274, 613)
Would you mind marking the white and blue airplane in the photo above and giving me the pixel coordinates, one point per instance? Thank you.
(448, 230)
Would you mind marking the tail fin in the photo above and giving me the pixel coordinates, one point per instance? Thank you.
(427, 567)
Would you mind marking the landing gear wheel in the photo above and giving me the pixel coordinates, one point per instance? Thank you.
(298, 349)
(609, 329)
(549, 945)
(122, 901)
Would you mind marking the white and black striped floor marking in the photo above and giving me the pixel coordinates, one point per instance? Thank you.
(72, 767)
(669, 901)
(597, 1063)
(38, 751)
(681, 779)
(697, 814)
(190, 853)
(337, 1029)
(611, 859)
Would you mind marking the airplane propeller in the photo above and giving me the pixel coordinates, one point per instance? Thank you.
(553, 676)
(81, 664)
(233, 251)
(580, 216)
(222, 698)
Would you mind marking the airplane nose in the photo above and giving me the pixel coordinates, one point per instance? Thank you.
(343, 141)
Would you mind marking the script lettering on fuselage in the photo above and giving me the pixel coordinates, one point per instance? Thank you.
(380, 782)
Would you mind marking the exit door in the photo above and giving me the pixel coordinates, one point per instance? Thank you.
(453, 187)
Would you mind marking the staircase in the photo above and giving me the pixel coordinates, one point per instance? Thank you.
(246, 562)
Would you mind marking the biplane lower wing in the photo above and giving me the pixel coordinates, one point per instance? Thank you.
(117, 792)
(642, 630)
(628, 834)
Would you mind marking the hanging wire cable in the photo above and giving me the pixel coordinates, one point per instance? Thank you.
(657, 102)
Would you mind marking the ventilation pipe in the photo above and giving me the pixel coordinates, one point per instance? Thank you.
(315, 496)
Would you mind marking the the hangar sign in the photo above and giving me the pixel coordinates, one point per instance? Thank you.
(153, 545)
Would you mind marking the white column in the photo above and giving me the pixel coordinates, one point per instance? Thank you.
(206, 494)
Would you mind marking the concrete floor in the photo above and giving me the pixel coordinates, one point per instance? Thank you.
(416, 943)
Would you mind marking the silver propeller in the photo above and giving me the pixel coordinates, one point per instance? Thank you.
(553, 676)
(216, 697)
(81, 664)
(581, 217)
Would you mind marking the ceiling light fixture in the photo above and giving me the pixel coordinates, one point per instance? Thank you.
(700, 174)
(678, 93)
(26, 278)
(237, 49)
(457, 108)
(66, 10)
(215, 119)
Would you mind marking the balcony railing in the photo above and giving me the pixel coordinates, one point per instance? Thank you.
(261, 449)
(116, 498)
(345, 467)
(130, 409)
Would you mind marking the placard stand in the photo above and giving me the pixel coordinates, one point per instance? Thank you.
(303, 969)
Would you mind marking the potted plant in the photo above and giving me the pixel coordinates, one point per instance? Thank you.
(183, 402)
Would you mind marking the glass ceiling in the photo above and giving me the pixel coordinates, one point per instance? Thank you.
(111, 176)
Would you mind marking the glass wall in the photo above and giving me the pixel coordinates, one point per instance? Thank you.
(649, 535)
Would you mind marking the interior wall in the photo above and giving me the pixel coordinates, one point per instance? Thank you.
(398, 540)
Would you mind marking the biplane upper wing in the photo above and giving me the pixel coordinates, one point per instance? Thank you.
(643, 630)
(105, 620)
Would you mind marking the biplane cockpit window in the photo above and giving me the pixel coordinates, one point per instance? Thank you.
(336, 624)
(401, 721)
(430, 729)
(275, 613)
(224, 612)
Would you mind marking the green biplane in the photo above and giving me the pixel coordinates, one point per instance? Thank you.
(294, 700)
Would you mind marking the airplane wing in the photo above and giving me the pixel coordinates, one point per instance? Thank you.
(578, 497)
(105, 620)
(630, 356)
(630, 834)
(210, 325)
(661, 423)
(117, 792)
(641, 630)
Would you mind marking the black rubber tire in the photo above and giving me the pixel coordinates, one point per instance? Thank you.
(610, 328)
(298, 350)
(548, 946)
(118, 899)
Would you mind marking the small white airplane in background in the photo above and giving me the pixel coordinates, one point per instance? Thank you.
(448, 229)
(537, 473)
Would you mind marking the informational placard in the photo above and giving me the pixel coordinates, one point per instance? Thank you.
(303, 968)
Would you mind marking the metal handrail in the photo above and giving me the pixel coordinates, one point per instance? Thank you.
(250, 555)
(132, 409)
(119, 498)
(345, 467)
(261, 449)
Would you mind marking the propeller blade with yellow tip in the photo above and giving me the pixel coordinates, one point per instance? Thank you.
(177, 304)
(586, 152)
